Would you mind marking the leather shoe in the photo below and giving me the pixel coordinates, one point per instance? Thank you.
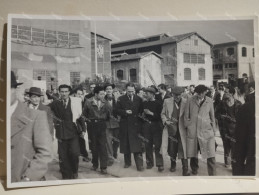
(104, 171)
(94, 168)
(194, 172)
(172, 169)
(126, 166)
(149, 166)
(140, 169)
(186, 173)
(160, 168)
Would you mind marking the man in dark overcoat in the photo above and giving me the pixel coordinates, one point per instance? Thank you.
(129, 107)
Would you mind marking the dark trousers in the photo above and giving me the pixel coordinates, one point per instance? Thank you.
(99, 142)
(89, 131)
(153, 136)
(69, 152)
(228, 144)
(211, 165)
(138, 159)
(112, 142)
(83, 150)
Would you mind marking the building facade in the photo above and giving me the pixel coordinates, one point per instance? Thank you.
(186, 58)
(141, 68)
(47, 53)
(231, 60)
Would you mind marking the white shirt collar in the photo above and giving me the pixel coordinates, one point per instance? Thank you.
(33, 107)
(13, 107)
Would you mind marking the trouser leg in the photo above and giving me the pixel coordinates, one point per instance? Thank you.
(138, 159)
(194, 164)
(149, 148)
(109, 137)
(64, 159)
(211, 165)
(94, 149)
(115, 142)
(83, 150)
(74, 152)
(157, 140)
(102, 150)
(127, 159)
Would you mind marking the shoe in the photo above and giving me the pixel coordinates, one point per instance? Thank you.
(186, 173)
(104, 171)
(194, 172)
(172, 169)
(94, 168)
(160, 168)
(149, 166)
(75, 175)
(227, 166)
(110, 163)
(126, 166)
(86, 159)
(140, 169)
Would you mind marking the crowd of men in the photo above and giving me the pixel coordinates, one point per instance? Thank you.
(177, 122)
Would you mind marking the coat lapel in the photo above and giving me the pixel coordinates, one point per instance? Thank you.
(182, 107)
(170, 106)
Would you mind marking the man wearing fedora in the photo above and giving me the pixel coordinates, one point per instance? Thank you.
(30, 140)
(35, 103)
(173, 119)
(112, 131)
(152, 128)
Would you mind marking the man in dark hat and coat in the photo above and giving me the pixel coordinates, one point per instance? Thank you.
(30, 140)
(36, 104)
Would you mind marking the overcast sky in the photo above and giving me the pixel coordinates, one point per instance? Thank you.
(214, 31)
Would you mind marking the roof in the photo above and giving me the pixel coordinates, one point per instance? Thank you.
(166, 40)
(101, 36)
(134, 56)
(226, 43)
(140, 39)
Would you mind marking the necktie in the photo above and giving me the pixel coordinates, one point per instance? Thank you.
(65, 103)
(131, 98)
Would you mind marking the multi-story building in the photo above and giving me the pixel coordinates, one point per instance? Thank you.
(48, 53)
(186, 58)
(231, 60)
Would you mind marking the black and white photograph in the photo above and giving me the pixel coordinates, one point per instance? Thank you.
(95, 99)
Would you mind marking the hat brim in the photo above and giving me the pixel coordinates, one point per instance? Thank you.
(15, 85)
(31, 93)
(112, 85)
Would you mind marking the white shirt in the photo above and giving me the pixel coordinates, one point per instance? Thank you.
(13, 107)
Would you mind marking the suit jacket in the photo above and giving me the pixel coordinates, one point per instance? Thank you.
(159, 97)
(113, 120)
(49, 116)
(30, 143)
(58, 110)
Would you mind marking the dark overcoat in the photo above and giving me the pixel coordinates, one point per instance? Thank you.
(130, 125)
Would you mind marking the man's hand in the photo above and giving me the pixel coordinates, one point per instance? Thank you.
(168, 122)
(128, 111)
(147, 111)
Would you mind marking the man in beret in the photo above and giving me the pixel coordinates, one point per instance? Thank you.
(173, 120)
(199, 120)
(152, 129)
(30, 140)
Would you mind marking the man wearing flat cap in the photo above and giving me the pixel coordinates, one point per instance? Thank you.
(199, 120)
(152, 129)
(30, 140)
(36, 104)
(173, 120)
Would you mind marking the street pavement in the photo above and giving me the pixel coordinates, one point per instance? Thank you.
(117, 170)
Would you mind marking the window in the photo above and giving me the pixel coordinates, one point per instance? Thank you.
(120, 75)
(230, 51)
(216, 53)
(226, 65)
(49, 76)
(243, 51)
(201, 74)
(196, 42)
(74, 79)
(194, 58)
(216, 77)
(133, 75)
(187, 74)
